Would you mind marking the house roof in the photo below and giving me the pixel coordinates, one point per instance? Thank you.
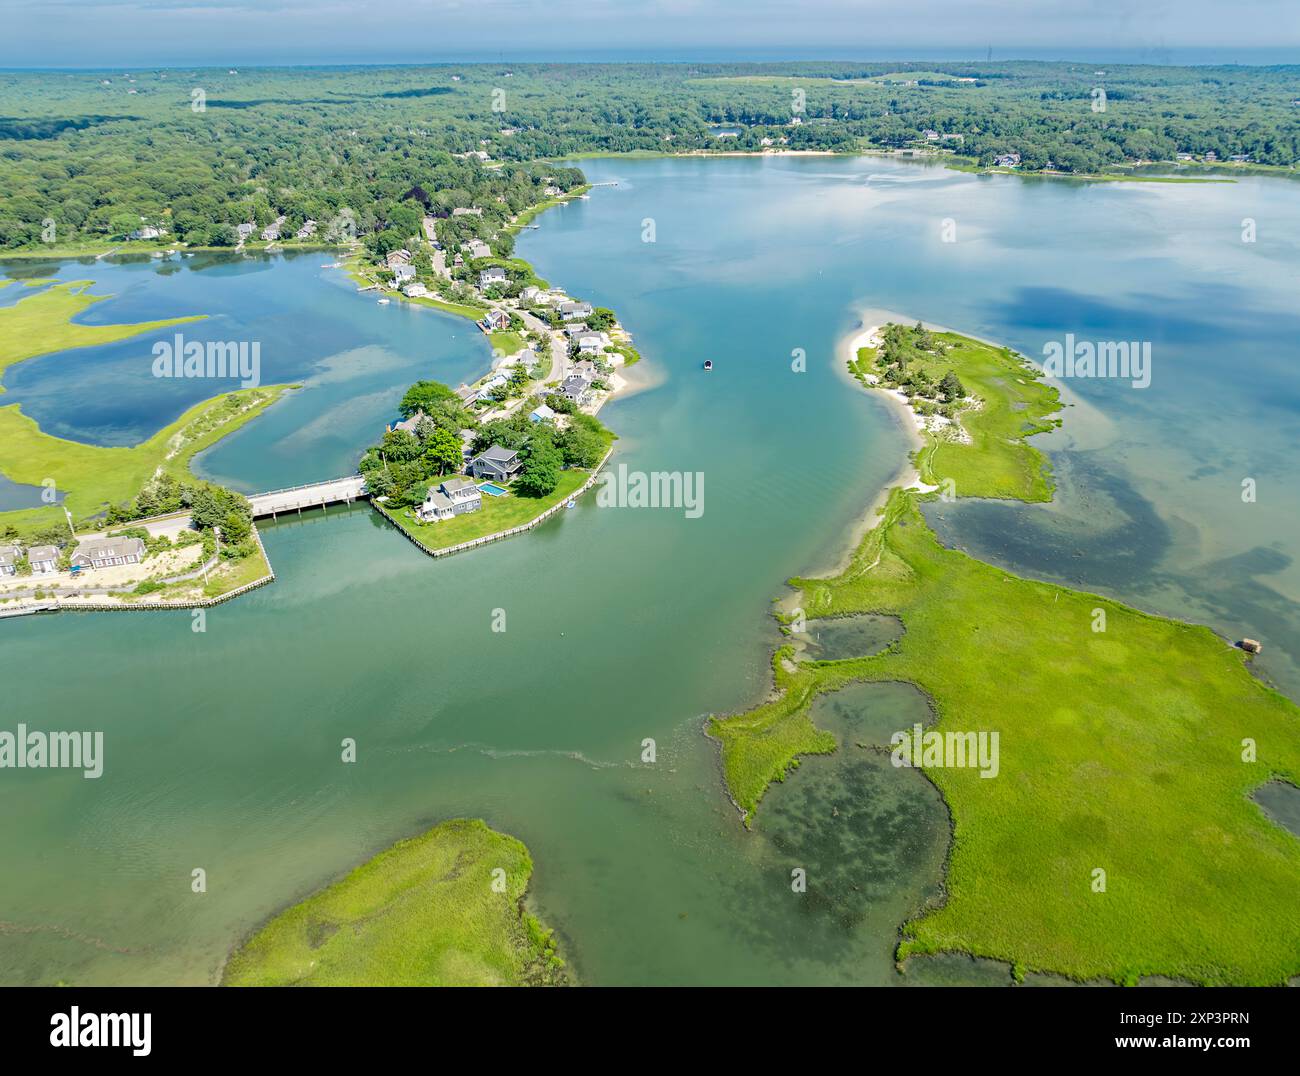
(454, 485)
(8, 555)
(104, 548)
(497, 454)
(438, 500)
(42, 552)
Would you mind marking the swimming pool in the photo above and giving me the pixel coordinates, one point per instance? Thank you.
(493, 489)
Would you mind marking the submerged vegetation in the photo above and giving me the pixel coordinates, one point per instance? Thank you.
(1129, 746)
(442, 909)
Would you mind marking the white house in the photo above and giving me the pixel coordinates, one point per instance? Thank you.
(245, 231)
(495, 276)
(542, 414)
(403, 273)
(415, 291)
(454, 497)
(9, 555)
(44, 559)
(589, 343)
(574, 311)
(530, 294)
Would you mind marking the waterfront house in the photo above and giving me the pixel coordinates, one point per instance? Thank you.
(454, 497)
(408, 425)
(497, 463)
(552, 191)
(398, 257)
(530, 294)
(272, 231)
(9, 555)
(461, 211)
(415, 291)
(436, 507)
(108, 552)
(1007, 160)
(492, 277)
(542, 414)
(147, 232)
(476, 248)
(307, 230)
(44, 559)
(575, 311)
(496, 321)
(463, 494)
(574, 388)
(403, 273)
(245, 231)
(589, 343)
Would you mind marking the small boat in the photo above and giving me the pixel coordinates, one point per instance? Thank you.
(572, 503)
(384, 302)
(708, 364)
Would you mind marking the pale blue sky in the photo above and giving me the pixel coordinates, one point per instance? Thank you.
(118, 33)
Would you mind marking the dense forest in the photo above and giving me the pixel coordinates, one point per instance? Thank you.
(95, 156)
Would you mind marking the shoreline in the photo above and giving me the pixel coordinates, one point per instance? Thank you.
(907, 476)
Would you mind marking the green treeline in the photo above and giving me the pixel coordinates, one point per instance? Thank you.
(93, 157)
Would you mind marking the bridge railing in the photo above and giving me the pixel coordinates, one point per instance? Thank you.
(309, 485)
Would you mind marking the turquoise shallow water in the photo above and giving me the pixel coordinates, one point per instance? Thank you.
(223, 747)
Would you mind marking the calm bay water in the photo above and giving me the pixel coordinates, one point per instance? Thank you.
(223, 747)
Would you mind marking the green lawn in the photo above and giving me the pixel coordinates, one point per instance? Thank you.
(474, 313)
(497, 514)
(1119, 750)
(423, 913)
(1014, 403)
(42, 323)
(506, 343)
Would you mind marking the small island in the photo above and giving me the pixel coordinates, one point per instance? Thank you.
(445, 908)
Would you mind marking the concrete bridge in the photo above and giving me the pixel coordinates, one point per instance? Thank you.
(316, 495)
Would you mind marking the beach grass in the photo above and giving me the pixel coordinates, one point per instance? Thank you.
(425, 912)
(1013, 403)
(94, 476)
(1126, 750)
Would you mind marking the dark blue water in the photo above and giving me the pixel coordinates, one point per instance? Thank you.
(352, 357)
